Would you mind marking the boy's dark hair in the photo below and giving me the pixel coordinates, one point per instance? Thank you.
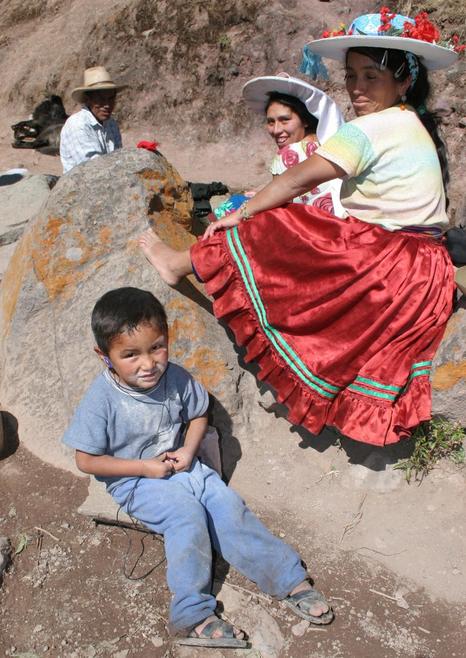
(123, 309)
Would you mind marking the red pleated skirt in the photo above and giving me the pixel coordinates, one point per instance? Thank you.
(342, 317)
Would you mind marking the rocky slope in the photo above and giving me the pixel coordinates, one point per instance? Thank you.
(186, 62)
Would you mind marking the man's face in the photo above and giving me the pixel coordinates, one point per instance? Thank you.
(101, 103)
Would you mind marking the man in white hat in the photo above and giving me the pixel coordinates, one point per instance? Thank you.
(91, 131)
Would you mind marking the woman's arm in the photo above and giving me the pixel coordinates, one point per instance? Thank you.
(295, 181)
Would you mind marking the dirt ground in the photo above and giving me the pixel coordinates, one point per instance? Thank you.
(66, 592)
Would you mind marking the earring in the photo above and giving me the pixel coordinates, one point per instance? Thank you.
(107, 362)
(403, 102)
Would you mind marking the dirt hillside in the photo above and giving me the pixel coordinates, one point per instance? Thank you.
(185, 64)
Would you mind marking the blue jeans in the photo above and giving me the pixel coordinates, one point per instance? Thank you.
(194, 511)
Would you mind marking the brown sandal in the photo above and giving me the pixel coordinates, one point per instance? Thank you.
(204, 638)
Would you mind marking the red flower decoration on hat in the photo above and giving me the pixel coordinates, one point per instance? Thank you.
(423, 29)
(386, 16)
(335, 33)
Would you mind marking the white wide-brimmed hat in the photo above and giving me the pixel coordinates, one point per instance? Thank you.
(95, 79)
(257, 92)
(399, 33)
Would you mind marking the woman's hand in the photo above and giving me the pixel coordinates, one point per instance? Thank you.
(230, 220)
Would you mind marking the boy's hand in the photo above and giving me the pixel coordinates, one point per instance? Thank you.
(181, 459)
(158, 467)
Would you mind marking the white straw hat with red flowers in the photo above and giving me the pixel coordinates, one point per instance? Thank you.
(392, 31)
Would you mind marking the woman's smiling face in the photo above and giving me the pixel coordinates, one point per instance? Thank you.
(369, 88)
(284, 125)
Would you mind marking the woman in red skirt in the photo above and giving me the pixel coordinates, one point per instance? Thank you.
(343, 316)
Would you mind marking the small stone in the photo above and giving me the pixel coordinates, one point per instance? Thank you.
(300, 628)
(281, 534)
(12, 512)
(369, 614)
(38, 628)
(157, 641)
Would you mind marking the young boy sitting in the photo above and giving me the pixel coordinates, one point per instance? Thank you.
(138, 429)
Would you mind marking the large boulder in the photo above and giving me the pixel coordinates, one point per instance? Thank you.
(449, 371)
(83, 243)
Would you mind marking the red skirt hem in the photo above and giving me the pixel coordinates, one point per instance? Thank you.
(356, 415)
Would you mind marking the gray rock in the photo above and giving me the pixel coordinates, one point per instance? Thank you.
(449, 371)
(5, 555)
(81, 244)
(19, 203)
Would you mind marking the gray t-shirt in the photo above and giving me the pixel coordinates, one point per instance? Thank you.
(130, 424)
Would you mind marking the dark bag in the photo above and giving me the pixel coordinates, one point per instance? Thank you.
(456, 245)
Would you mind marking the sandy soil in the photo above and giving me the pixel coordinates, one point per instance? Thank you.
(66, 593)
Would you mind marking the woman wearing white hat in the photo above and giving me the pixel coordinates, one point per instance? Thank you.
(298, 117)
(344, 317)
(92, 131)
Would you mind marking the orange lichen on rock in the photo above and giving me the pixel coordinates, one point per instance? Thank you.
(210, 369)
(172, 232)
(452, 325)
(20, 263)
(188, 321)
(149, 174)
(52, 268)
(105, 235)
(448, 375)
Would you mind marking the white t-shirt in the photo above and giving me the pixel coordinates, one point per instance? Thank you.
(394, 175)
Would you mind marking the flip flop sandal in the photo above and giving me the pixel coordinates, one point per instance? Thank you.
(301, 602)
(205, 639)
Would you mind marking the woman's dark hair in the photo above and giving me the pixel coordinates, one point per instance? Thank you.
(309, 120)
(123, 309)
(416, 95)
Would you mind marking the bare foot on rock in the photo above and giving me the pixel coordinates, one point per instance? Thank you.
(172, 265)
